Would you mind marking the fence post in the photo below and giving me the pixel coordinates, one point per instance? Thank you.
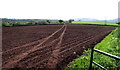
(91, 58)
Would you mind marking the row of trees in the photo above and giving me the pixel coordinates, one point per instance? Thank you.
(34, 22)
(48, 22)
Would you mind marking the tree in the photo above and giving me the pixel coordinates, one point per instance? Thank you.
(32, 22)
(118, 23)
(70, 20)
(48, 21)
(60, 21)
(42, 22)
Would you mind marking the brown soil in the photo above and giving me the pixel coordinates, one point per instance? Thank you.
(48, 46)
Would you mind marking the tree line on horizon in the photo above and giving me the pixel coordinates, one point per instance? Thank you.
(23, 22)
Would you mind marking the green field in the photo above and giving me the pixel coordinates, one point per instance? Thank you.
(110, 44)
(94, 22)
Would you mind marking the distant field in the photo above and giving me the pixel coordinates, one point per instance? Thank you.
(94, 22)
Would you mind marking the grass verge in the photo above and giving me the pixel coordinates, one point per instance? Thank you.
(110, 44)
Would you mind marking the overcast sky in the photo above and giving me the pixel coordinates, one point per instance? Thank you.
(59, 9)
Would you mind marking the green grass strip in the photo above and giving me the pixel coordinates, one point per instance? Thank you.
(94, 22)
(110, 44)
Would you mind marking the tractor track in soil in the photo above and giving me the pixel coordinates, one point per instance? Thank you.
(36, 46)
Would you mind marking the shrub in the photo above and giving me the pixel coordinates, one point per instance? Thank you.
(60, 21)
(70, 20)
(48, 21)
(118, 23)
(41, 22)
(31, 22)
(6, 24)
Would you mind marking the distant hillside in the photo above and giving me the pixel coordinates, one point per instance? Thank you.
(113, 20)
(89, 19)
(85, 19)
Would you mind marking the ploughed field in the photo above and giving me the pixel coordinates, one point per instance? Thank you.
(48, 46)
